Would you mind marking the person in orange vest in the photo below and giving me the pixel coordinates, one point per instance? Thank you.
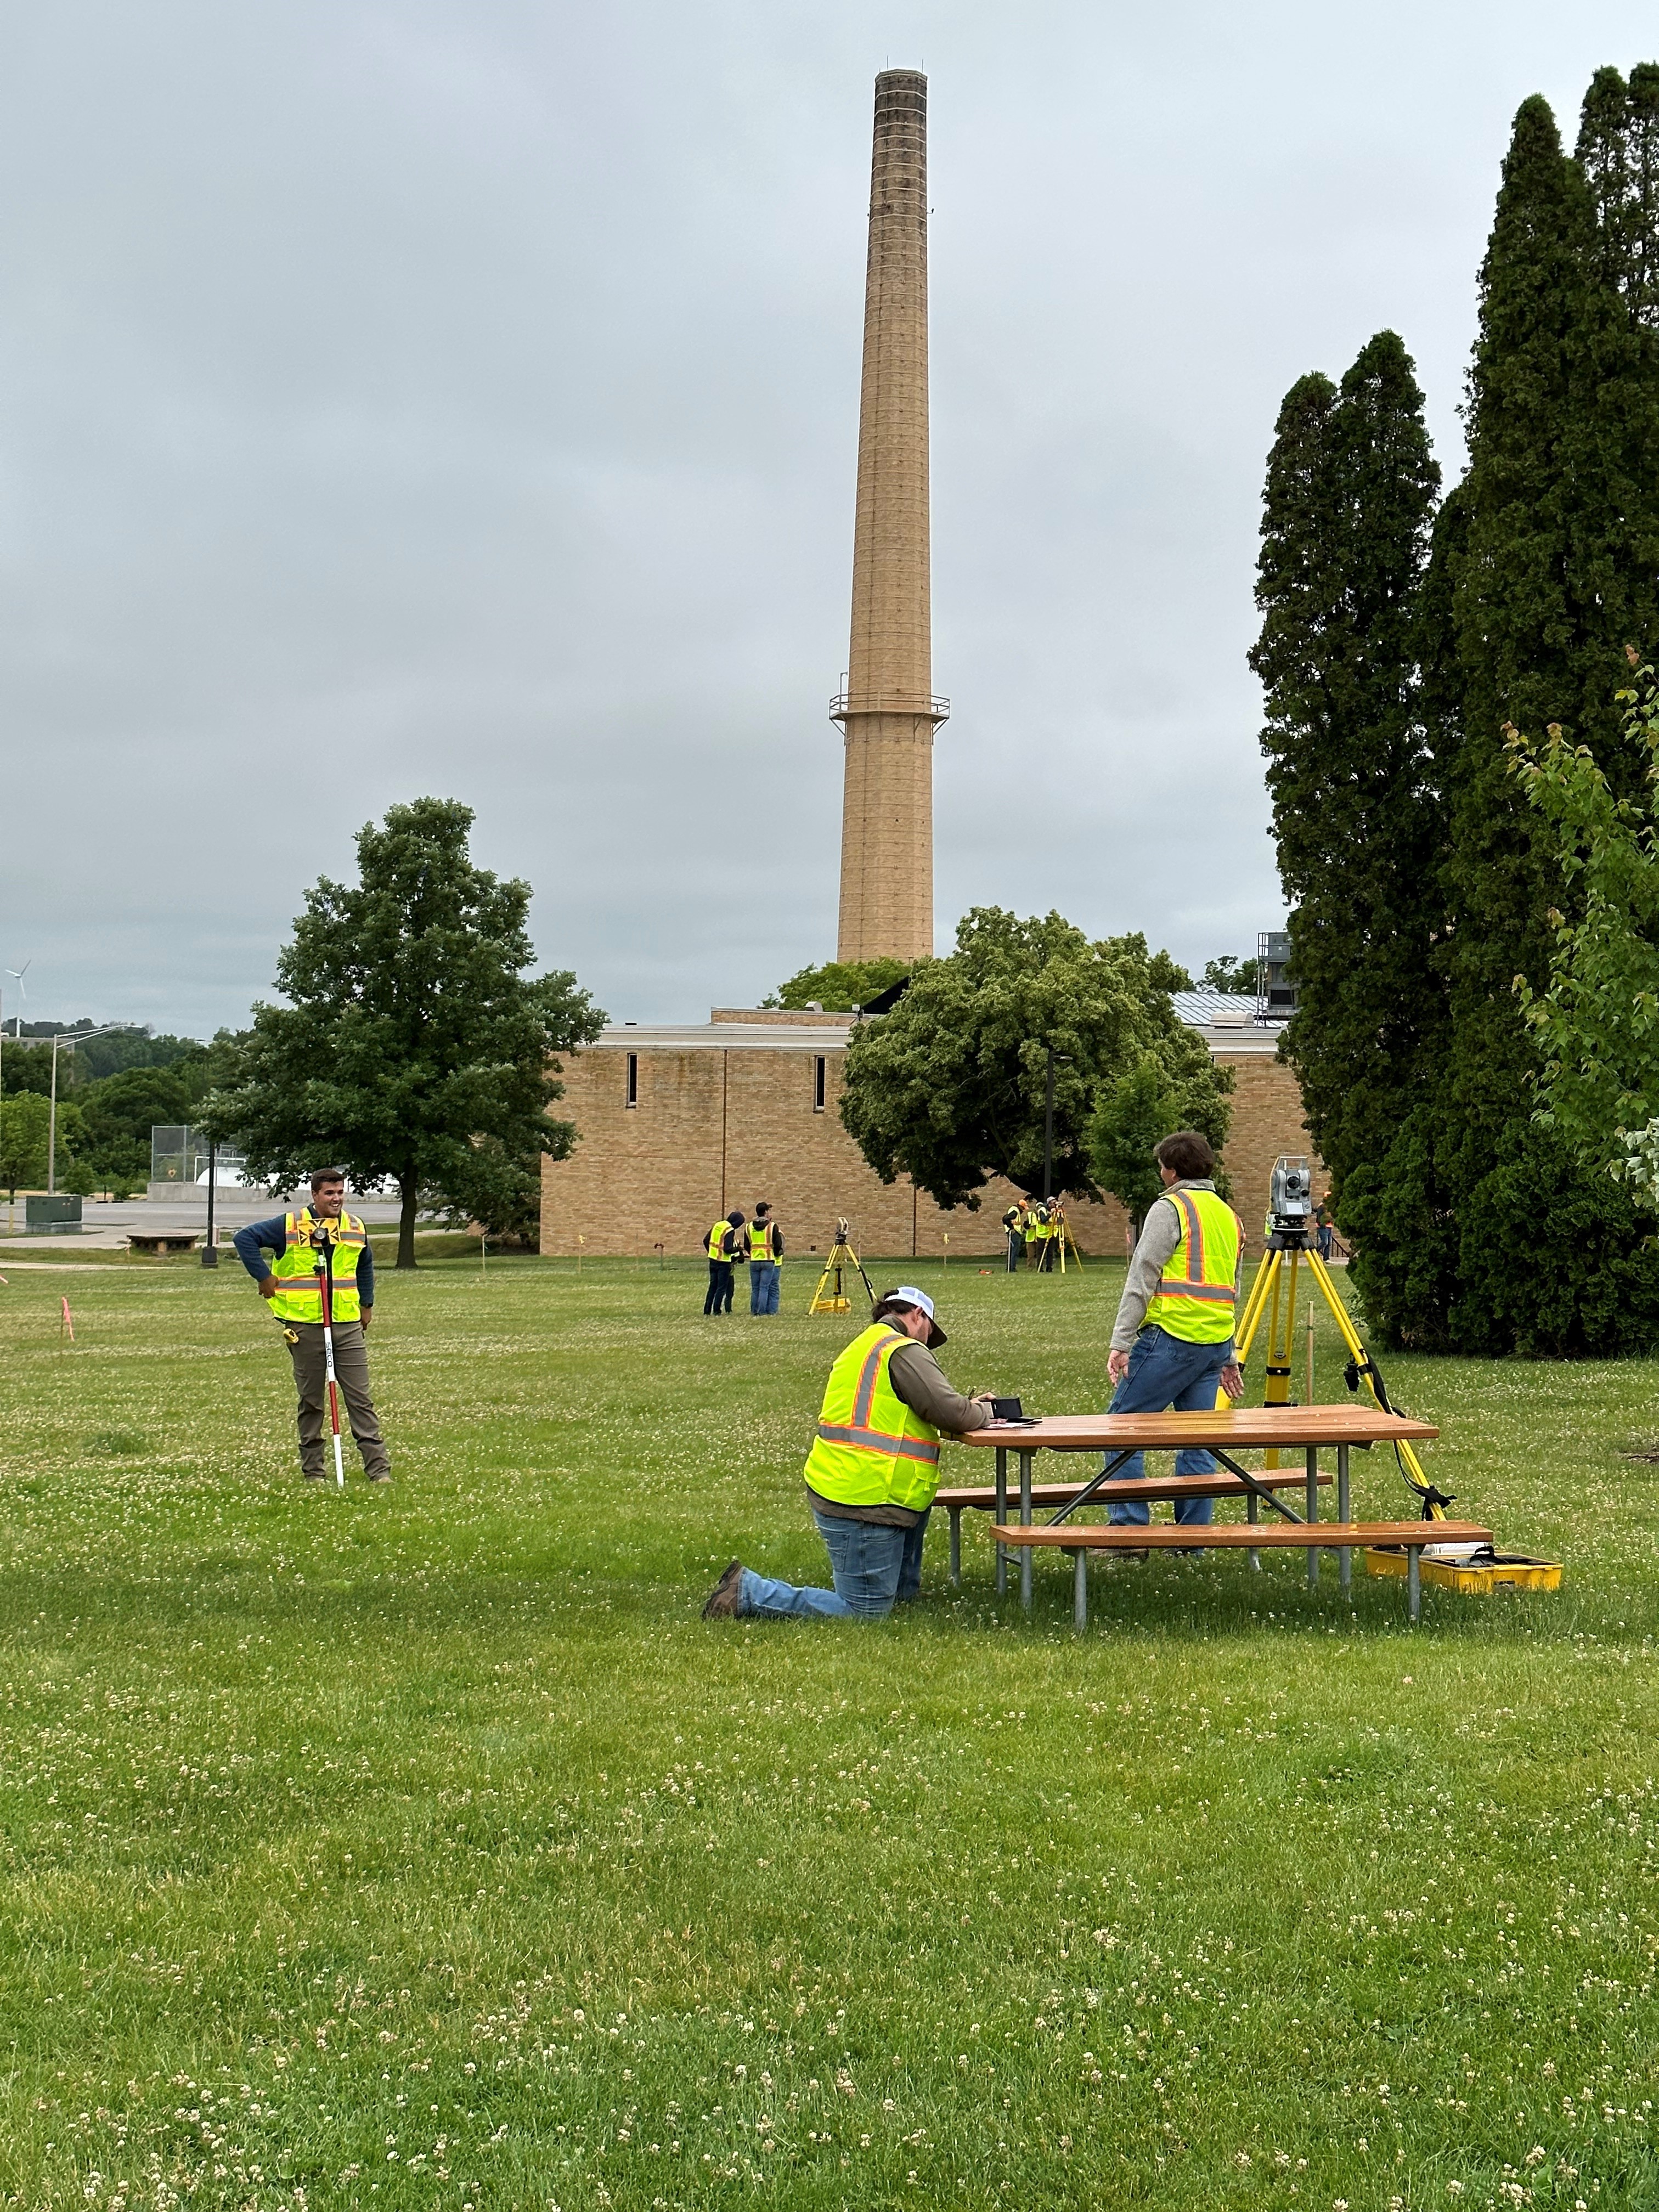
(872, 1472)
(1172, 1341)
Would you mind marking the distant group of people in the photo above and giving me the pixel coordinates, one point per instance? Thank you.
(730, 1241)
(1034, 1231)
(874, 1468)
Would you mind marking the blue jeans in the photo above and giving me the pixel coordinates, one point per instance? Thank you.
(1166, 1373)
(763, 1277)
(874, 1570)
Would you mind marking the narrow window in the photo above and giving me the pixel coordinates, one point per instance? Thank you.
(633, 1078)
(817, 1084)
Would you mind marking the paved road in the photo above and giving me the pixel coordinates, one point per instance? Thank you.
(107, 1223)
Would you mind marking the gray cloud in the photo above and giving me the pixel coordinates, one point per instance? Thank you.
(461, 399)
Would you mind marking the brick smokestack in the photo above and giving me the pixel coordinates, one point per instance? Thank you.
(888, 713)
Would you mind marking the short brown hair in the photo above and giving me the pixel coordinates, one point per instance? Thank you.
(1188, 1153)
(320, 1175)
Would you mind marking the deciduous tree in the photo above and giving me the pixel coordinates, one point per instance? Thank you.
(413, 1041)
(951, 1087)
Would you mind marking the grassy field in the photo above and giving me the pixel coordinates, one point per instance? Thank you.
(422, 1847)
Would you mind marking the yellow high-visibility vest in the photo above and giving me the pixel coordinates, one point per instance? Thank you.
(1194, 1299)
(299, 1298)
(871, 1448)
(760, 1240)
(716, 1237)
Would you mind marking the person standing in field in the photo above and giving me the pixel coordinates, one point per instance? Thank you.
(1172, 1341)
(1324, 1225)
(283, 1256)
(723, 1249)
(765, 1256)
(872, 1472)
(1013, 1223)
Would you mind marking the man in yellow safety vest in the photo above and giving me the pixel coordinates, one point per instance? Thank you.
(324, 1234)
(765, 1260)
(872, 1472)
(1172, 1341)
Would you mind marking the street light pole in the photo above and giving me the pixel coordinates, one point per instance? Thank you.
(1064, 1060)
(209, 1250)
(71, 1038)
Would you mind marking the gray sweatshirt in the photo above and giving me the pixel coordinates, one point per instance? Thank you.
(1159, 1235)
(921, 1382)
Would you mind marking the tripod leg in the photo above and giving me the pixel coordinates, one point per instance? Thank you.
(1244, 1335)
(1277, 1389)
(1361, 1358)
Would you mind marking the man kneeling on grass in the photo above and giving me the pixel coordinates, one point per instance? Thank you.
(872, 1472)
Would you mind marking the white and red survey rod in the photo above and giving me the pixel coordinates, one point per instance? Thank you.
(324, 1284)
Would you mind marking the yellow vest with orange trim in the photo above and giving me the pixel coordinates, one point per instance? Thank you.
(1194, 1299)
(760, 1240)
(299, 1297)
(871, 1448)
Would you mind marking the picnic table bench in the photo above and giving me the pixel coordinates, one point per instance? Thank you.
(1154, 1490)
(1224, 1431)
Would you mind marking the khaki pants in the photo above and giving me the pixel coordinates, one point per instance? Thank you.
(305, 1345)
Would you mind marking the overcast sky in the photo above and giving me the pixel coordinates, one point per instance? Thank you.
(463, 398)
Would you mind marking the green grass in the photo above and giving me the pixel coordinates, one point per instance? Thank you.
(421, 1846)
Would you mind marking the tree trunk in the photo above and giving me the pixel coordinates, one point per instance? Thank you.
(409, 1189)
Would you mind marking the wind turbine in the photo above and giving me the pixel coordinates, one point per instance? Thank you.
(17, 976)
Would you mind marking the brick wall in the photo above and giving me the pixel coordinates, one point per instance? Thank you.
(716, 1127)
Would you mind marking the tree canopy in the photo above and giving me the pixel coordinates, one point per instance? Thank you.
(414, 1047)
(839, 986)
(950, 1088)
(1146, 1103)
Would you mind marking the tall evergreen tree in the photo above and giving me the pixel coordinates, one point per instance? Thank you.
(1349, 498)
(1481, 1232)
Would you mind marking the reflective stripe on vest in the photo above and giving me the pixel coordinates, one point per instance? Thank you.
(716, 1239)
(299, 1297)
(760, 1240)
(1196, 1298)
(870, 1448)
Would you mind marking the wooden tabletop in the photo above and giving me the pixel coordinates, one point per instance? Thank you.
(1240, 1428)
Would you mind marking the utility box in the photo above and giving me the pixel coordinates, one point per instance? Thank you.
(51, 1217)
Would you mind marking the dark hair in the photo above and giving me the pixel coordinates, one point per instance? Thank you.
(735, 1217)
(1188, 1152)
(320, 1175)
(761, 1205)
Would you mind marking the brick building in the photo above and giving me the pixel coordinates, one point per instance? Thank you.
(679, 1124)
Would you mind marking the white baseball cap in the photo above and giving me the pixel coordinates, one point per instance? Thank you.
(908, 1295)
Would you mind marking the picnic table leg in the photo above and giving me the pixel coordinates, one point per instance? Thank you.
(1345, 1557)
(1002, 1515)
(1414, 1581)
(1253, 1512)
(1080, 1589)
(955, 1545)
(1025, 1459)
(1313, 1513)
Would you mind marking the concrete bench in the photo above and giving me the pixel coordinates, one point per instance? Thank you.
(1155, 1489)
(162, 1240)
(1310, 1536)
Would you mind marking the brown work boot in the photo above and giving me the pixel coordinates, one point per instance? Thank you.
(726, 1595)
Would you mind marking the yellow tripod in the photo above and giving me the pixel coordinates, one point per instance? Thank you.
(830, 1295)
(1274, 1294)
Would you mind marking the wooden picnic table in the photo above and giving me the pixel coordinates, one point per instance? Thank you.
(1225, 1431)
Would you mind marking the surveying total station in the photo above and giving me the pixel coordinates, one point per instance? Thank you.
(1290, 1219)
(830, 1295)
